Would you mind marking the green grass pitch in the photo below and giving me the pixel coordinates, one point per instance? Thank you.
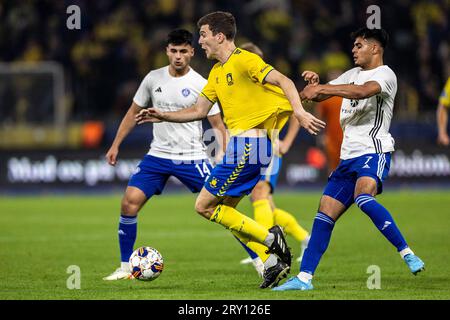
(40, 237)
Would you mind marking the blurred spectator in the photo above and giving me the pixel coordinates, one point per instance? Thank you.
(119, 42)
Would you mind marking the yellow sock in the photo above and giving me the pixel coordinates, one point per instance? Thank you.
(232, 219)
(263, 213)
(290, 225)
(258, 248)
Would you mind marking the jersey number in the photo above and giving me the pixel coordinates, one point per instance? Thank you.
(366, 164)
(203, 169)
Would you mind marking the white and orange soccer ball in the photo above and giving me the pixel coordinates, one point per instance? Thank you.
(146, 263)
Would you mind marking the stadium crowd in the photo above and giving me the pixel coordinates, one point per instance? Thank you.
(119, 42)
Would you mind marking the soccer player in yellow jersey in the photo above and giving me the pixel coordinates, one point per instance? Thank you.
(264, 209)
(442, 115)
(256, 101)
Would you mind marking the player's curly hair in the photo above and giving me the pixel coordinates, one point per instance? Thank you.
(219, 21)
(179, 36)
(379, 35)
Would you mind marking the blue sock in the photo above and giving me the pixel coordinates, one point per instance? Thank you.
(318, 243)
(127, 236)
(382, 220)
(250, 252)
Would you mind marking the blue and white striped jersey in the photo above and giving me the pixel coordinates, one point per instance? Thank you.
(366, 122)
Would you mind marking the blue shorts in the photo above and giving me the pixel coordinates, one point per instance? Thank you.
(342, 181)
(152, 173)
(241, 168)
(272, 172)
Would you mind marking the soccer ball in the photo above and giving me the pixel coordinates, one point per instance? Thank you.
(146, 263)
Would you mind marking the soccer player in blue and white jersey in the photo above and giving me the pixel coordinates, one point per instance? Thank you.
(177, 149)
(368, 90)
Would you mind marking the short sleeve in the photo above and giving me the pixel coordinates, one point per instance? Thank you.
(256, 67)
(143, 94)
(209, 90)
(343, 78)
(387, 80)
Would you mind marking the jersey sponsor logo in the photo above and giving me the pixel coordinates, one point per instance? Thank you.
(158, 90)
(354, 103)
(230, 79)
(185, 92)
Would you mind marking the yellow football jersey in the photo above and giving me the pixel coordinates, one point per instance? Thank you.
(246, 101)
(444, 99)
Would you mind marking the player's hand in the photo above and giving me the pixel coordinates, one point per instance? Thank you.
(310, 92)
(311, 77)
(443, 139)
(309, 122)
(111, 155)
(148, 115)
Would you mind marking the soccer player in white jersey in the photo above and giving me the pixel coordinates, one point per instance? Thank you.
(368, 90)
(177, 149)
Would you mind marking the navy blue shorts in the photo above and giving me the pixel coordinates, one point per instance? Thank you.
(152, 173)
(342, 181)
(245, 160)
(272, 172)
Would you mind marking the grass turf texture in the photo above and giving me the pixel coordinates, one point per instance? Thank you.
(41, 236)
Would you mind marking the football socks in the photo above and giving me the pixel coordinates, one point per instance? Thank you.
(127, 236)
(320, 238)
(382, 220)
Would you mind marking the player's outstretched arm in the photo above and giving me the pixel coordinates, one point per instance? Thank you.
(196, 112)
(348, 91)
(126, 125)
(306, 119)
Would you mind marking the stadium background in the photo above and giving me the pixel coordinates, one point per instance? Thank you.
(54, 132)
(63, 92)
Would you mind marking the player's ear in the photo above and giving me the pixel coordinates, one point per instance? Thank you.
(221, 37)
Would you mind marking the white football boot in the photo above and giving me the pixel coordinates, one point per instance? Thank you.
(119, 274)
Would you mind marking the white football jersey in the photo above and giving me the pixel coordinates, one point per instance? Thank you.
(365, 123)
(178, 141)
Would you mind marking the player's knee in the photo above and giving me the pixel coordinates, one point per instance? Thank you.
(203, 210)
(260, 191)
(129, 207)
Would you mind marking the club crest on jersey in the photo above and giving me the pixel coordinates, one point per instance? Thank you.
(230, 79)
(185, 92)
(213, 183)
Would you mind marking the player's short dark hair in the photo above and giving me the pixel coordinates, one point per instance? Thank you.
(179, 37)
(379, 35)
(219, 21)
